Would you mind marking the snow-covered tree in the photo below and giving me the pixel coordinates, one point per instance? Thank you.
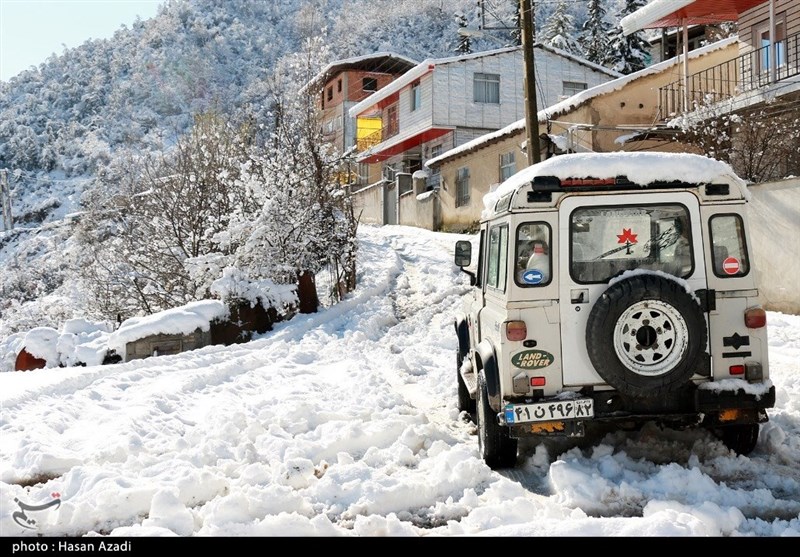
(307, 223)
(153, 214)
(627, 53)
(559, 31)
(761, 144)
(464, 42)
(594, 35)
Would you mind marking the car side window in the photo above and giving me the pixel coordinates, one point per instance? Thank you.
(497, 257)
(533, 258)
(728, 248)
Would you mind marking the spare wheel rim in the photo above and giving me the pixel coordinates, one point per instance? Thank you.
(650, 338)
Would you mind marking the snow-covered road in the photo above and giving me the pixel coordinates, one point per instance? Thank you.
(344, 423)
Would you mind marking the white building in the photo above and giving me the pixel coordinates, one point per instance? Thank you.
(442, 103)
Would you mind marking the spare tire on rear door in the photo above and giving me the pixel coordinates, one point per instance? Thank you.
(646, 336)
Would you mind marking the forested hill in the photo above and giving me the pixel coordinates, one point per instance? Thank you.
(142, 86)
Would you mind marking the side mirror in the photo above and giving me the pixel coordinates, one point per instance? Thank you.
(463, 253)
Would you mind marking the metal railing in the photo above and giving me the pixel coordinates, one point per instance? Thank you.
(369, 141)
(747, 72)
(390, 130)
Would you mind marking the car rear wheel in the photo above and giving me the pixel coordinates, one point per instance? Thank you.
(740, 438)
(496, 446)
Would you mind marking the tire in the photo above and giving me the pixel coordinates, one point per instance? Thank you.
(465, 402)
(646, 336)
(496, 446)
(740, 438)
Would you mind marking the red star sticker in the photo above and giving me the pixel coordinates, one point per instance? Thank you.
(627, 236)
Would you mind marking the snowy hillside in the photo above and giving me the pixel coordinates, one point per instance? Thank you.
(344, 423)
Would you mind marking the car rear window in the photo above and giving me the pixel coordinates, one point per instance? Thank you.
(605, 241)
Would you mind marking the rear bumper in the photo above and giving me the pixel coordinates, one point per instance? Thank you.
(691, 407)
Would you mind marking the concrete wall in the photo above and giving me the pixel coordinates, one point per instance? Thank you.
(368, 203)
(774, 217)
(164, 345)
(421, 211)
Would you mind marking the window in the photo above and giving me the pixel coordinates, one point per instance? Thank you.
(330, 93)
(729, 254)
(486, 88)
(507, 166)
(339, 86)
(369, 84)
(392, 124)
(434, 178)
(533, 258)
(605, 241)
(573, 87)
(416, 96)
(761, 42)
(496, 257)
(462, 186)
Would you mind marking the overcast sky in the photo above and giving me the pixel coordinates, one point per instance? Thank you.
(31, 30)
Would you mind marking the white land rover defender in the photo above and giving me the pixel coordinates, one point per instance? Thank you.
(615, 289)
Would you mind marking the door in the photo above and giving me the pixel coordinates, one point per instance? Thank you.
(390, 203)
(603, 236)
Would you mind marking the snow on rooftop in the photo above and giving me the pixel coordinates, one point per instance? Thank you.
(640, 167)
(577, 100)
(416, 72)
(177, 321)
(355, 60)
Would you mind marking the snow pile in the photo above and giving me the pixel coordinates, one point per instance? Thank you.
(41, 343)
(83, 342)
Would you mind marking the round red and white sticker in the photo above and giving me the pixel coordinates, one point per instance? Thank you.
(730, 265)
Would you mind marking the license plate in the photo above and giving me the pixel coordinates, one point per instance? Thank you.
(573, 409)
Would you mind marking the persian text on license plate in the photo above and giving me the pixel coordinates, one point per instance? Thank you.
(574, 409)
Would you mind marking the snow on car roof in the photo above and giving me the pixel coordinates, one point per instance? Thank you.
(640, 168)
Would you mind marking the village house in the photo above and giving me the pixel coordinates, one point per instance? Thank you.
(440, 104)
(342, 84)
(765, 68)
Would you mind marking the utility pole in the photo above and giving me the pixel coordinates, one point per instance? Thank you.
(5, 200)
(531, 112)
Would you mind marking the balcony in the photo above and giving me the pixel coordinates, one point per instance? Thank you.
(748, 72)
(376, 137)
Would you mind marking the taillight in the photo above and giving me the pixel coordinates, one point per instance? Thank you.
(538, 381)
(736, 370)
(516, 330)
(755, 318)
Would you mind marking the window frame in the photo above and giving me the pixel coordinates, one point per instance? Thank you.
(564, 87)
(370, 80)
(416, 96)
(481, 83)
(512, 164)
(462, 187)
